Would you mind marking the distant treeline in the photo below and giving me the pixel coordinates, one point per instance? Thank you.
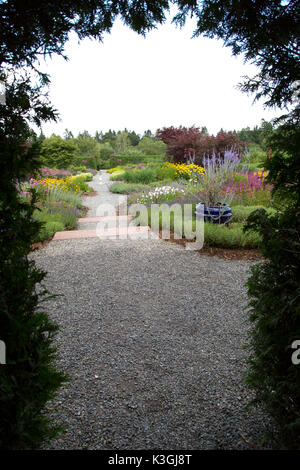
(94, 151)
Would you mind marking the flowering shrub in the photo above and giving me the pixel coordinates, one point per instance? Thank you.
(225, 164)
(160, 194)
(50, 173)
(213, 192)
(250, 188)
(58, 203)
(115, 168)
(218, 170)
(65, 184)
(182, 170)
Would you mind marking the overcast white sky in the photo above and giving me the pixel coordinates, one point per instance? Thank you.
(141, 83)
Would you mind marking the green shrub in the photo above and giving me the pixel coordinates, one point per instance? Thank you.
(148, 146)
(45, 217)
(88, 176)
(55, 212)
(123, 160)
(240, 213)
(165, 173)
(77, 169)
(57, 152)
(89, 161)
(233, 236)
(105, 164)
(219, 235)
(261, 197)
(49, 229)
(79, 180)
(84, 177)
(68, 218)
(256, 154)
(274, 293)
(126, 188)
(30, 377)
(105, 151)
(117, 175)
(56, 195)
(139, 176)
(249, 167)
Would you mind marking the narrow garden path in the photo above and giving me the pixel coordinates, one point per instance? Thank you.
(102, 220)
(151, 335)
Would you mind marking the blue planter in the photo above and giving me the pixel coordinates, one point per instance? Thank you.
(218, 214)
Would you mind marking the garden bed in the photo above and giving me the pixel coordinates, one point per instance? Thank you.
(180, 183)
(59, 201)
(226, 253)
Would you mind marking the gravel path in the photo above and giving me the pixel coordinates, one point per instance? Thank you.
(152, 336)
(101, 184)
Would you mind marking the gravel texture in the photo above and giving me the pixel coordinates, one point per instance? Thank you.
(152, 337)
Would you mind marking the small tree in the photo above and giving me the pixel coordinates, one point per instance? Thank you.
(274, 290)
(121, 143)
(29, 378)
(178, 140)
(149, 146)
(57, 152)
(68, 135)
(134, 138)
(87, 148)
(28, 30)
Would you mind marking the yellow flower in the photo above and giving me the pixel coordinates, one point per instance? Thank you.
(183, 168)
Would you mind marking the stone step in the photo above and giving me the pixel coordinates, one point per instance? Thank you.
(87, 220)
(132, 233)
(112, 221)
